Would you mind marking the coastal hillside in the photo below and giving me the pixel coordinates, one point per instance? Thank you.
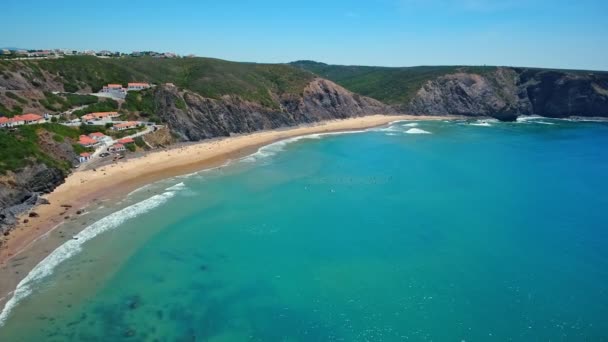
(195, 98)
(501, 92)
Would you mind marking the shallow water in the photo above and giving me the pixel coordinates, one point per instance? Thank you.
(467, 232)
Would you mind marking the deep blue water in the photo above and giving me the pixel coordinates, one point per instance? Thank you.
(472, 233)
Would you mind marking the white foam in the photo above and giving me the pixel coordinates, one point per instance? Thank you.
(525, 118)
(279, 146)
(484, 122)
(74, 246)
(177, 187)
(411, 124)
(391, 134)
(417, 131)
(481, 124)
(388, 129)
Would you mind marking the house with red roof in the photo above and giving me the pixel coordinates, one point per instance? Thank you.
(84, 157)
(18, 120)
(137, 86)
(4, 121)
(126, 141)
(98, 136)
(30, 118)
(126, 125)
(114, 89)
(86, 141)
(117, 148)
(99, 117)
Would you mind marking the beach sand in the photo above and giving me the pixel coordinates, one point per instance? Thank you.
(84, 187)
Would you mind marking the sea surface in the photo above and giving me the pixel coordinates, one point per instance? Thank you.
(423, 231)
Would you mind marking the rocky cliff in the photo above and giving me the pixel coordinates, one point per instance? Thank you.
(194, 117)
(20, 191)
(509, 92)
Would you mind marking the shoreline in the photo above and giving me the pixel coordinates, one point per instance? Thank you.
(84, 188)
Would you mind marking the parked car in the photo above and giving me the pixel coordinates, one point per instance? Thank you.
(103, 155)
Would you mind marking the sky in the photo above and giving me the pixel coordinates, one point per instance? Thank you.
(534, 33)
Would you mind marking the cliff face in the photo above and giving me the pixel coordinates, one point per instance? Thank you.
(194, 117)
(20, 191)
(509, 92)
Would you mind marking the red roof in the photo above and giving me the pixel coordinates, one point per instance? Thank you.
(138, 84)
(99, 115)
(31, 117)
(84, 140)
(111, 85)
(17, 118)
(85, 154)
(97, 134)
(126, 141)
(118, 146)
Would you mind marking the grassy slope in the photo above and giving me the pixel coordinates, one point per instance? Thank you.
(209, 77)
(390, 85)
(20, 147)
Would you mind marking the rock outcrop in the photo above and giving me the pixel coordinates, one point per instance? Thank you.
(20, 191)
(194, 117)
(509, 92)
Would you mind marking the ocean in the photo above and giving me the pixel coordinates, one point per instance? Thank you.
(419, 231)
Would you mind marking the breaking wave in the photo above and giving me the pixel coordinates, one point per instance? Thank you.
(279, 146)
(417, 131)
(74, 246)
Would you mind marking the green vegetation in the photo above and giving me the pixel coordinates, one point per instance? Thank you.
(211, 78)
(88, 129)
(77, 100)
(63, 102)
(389, 85)
(4, 111)
(16, 97)
(142, 102)
(131, 147)
(106, 105)
(139, 141)
(20, 147)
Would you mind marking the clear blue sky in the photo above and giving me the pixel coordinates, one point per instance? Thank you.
(543, 33)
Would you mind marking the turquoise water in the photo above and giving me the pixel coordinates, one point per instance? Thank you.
(472, 233)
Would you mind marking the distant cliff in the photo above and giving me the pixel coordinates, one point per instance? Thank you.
(501, 92)
(509, 92)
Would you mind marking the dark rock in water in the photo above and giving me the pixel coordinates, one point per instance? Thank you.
(26, 221)
(129, 333)
(134, 302)
(66, 206)
(43, 201)
(79, 212)
(33, 214)
(203, 268)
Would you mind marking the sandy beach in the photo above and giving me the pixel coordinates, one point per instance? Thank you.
(84, 187)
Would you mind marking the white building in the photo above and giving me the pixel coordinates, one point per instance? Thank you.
(137, 86)
(114, 90)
